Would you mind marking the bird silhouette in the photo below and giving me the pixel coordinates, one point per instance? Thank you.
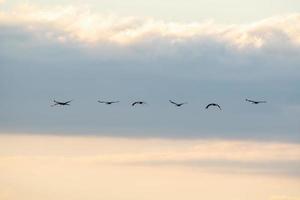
(177, 104)
(213, 104)
(56, 103)
(108, 102)
(138, 102)
(255, 102)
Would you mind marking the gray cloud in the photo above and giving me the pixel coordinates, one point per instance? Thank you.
(200, 64)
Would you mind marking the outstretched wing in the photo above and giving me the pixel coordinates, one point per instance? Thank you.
(213, 104)
(208, 106)
(262, 101)
(134, 103)
(251, 101)
(108, 102)
(255, 102)
(173, 102)
(67, 102)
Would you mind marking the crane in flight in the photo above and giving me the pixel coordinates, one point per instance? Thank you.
(213, 104)
(60, 103)
(138, 102)
(255, 102)
(108, 102)
(177, 104)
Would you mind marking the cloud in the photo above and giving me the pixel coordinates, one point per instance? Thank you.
(284, 198)
(70, 52)
(83, 25)
(223, 156)
(53, 167)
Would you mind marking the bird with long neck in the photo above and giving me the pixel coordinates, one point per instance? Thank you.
(60, 103)
(255, 102)
(108, 102)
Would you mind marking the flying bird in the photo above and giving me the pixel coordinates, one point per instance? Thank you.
(255, 102)
(67, 103)
(138, 102)
(108, 102)
(177, 104)
(213, 104)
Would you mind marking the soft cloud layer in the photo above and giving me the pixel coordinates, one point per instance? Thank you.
(54, 167)
(73, 53)
(242, 156)
(83, 25)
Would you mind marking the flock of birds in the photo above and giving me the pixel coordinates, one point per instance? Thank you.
(67, 103)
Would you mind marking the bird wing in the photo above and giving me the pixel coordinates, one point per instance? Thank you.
(68, 102)
(173, 102)
(213, 104)
(255, 101)
(101, 101)
(262, 101)
(250, 101)
(208, 106)
(133, 104)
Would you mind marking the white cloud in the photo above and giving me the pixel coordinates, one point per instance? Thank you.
(83, 25)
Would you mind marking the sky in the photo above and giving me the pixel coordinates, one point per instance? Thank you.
(197, 52)
(224, 11)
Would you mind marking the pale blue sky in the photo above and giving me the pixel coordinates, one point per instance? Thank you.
(223, 11)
